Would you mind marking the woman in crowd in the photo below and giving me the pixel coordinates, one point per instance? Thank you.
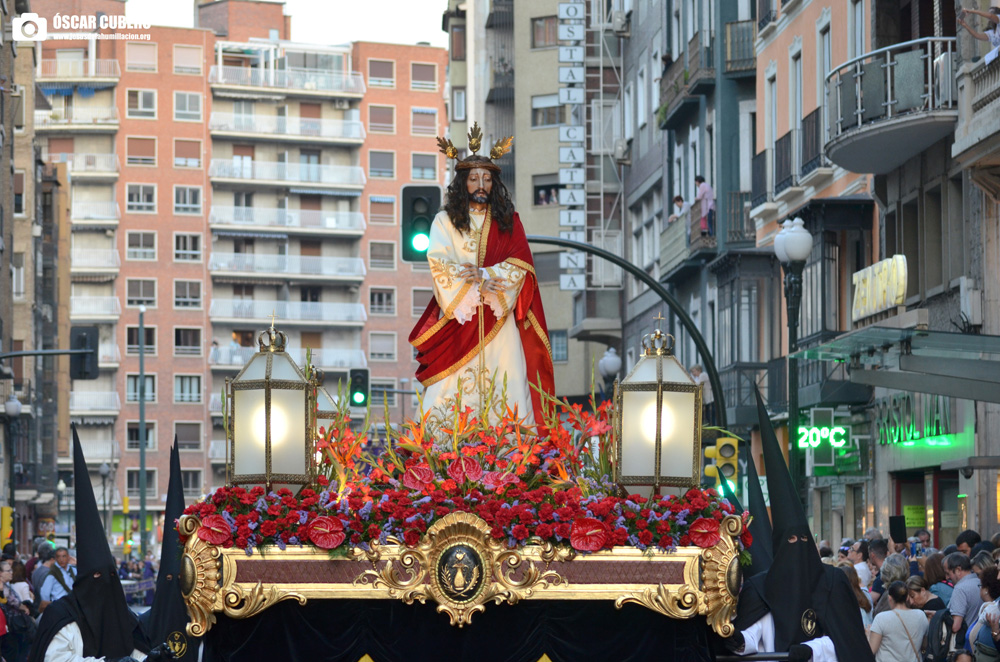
(921, 598)
(897, 634)
(982, 561)
(863, 597)
(895, 569)
(20, 582)
(937, 581)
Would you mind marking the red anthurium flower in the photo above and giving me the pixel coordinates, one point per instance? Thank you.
(588, 534)
(704, 532)
(327, 532)
(214, 530)
(465, 468)
(418, 477)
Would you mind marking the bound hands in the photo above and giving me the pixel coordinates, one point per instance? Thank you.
(993, 620)
(471, 274)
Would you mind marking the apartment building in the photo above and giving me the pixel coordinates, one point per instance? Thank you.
(404, 109)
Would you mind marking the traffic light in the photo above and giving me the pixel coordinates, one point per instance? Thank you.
(359, 387)
(83, 366)
(420, 205)
(6, 525)
(724, 454)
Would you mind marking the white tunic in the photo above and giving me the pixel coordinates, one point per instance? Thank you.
(759, 638)
(503, 356)
(67, 646)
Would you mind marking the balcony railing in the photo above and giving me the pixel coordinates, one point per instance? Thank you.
(100, 210)
(79, 69)
(272, 125)
(95, 258)
(108, 353)
(77, 116)
(698, 237)
(321, 358)
(740, 379)
(298, 265)
(784, 170)
(95, 306)
(287, 311)
(766, 14)
(700, 63)
(347, 221)
(94, 401)
(759, 193)
(740, 54)
(811, 142)
(985, 85)
(287, 172)
(217, 449)
(296, 79)
(88, 163)
(674, 244)
(739, 227)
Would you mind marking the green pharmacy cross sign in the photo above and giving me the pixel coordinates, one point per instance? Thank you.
(812, 436)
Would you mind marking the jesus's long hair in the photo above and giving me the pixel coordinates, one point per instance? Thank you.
(457, 202)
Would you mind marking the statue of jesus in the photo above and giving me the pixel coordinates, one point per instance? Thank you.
(485, 321)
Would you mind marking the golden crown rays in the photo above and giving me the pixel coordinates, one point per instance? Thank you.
(447, 148)
(501, 147)
(475, 138)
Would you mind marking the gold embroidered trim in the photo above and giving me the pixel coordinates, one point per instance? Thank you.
(484, 232)
(468, 357)
(538, 330)
(450, 310)
(430, 332)
(521, 264)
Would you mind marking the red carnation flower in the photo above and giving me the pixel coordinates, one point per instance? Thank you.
(214, 530)
(418, 477)
(268, 529)
(465, 468)
(646, 537)
(326, 532)
(588, 534)
(411, 538)
(544, 531)
(746, 538)
(520, 532)
(564, 529)
(704, 532)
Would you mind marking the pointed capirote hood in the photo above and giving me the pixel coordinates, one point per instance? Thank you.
(786, 506)
(92, 550)
(761, 550)
(167, 618)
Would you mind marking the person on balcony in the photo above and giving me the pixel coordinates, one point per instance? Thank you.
(706, 196)
(681, 208)
(992, 31)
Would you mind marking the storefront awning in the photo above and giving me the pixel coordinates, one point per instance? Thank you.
(957, 365)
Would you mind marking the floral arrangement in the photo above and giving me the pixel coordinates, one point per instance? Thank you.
(530, 485)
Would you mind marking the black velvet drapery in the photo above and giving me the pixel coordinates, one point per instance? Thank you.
(388, 630)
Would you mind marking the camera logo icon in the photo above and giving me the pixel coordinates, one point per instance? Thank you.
(29, 27)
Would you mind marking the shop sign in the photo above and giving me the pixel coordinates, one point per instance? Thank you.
(915, 516)
(880, 287)
(812, 436)
(905, 418)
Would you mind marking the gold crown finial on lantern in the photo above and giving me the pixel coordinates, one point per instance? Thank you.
(271, 340)
(658, 343)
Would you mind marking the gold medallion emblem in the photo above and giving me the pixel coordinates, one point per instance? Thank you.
(460, 572)
(177, 643)
(810, 622)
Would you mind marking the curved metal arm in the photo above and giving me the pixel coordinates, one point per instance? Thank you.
(675, 308)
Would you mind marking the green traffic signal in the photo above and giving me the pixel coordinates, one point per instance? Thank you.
(421, 242)
(418, 205)
(358, 397)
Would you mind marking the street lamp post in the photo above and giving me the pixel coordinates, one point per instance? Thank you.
(792, 246)
(60, 490)
(105, 473)
(142, 433)
(12, 407)
(609, 367)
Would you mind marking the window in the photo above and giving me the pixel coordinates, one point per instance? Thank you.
(187, 247)
(458, 104)
(640, 96)
(547, 111)
(381, 73)
(382, 164)
(132, 388)
(188, 436)
(381, 119)
(140, 292)
(559, 340)
(382, 301)
(187, 294)
(132, 340)
(187, 199)
(628, 132)
(140, 151)
(382, 255)
(424, 166)
(380, 398)
(655, 67)
(858, 27)
(132, 479)
(187, 342)
(382, 209)
(187, 59)
(545, 189)
(187, 388)
(18, 192)
(421, 299)
(140, 246)
(187, 106)
(187, 153)
(18, 100)
(423, 122)
(141, 198)
(423, 77)
(141, 104)
(544, 32)
(457, 46)
(132, 433)
(382, 346)
(191, 480)
(17, 275)
(140, 57)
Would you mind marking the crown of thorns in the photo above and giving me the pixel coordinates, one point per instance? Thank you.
(499, 148)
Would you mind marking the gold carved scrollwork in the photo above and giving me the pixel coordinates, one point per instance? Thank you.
(722, 576)
(240, 603)
(680, 603)
(404, 577)
(200, 577)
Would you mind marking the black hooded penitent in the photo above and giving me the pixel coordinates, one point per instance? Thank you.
(97, 601)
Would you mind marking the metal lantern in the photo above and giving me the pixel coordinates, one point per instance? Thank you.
(658, 424)
(272, 429)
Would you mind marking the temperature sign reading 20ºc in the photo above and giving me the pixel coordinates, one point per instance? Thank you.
(837, 436)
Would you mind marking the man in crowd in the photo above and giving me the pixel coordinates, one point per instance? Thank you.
(873, 534)
(878, 549)
(966, 540)
(966, 598)
(924, 536)
(858, 555)
(59, 581)
(46, 559)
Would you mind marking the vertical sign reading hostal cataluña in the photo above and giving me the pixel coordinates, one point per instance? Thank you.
(572, 136)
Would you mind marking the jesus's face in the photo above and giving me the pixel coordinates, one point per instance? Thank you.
(479, 184)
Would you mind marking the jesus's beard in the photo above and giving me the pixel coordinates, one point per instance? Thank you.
(480, 197)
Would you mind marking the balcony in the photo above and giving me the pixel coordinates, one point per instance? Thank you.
(305, 313)
(287, 221)
(678, 260)
(977, 134)
(298, 82)
(101, 119)
(283, 267)
(234, 358)
(98, 451)
(739, 226)
(674, 244)
(741, 58)
(217, 450)
(738, 382)
(90, 213)
(891, 104)
(108, 356)
(80, 70)
(297, 129)
(95, 309)
(761, 193)
(767, 16)
(282, 174)
(690, 76)
(91, 402)
(94, 261)
(502, 86)
(813, 166)
(785, 173)
(90, 168)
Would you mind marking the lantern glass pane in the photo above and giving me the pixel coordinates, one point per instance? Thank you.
(324, 401)
(282, 367)
(248, 414)
(678, 447)
(638, 433)
(288, 431)
(645, 371)
(255, 368)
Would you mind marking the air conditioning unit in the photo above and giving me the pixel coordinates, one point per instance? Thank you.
(620, 23)
(622, 152)
(341, 104)
(944, 80)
